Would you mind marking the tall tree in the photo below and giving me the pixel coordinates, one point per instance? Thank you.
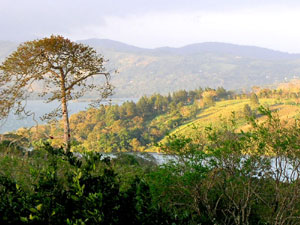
(55, 68)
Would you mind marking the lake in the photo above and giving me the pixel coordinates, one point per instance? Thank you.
(39, 107)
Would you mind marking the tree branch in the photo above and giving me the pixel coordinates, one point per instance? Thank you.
(83, 78)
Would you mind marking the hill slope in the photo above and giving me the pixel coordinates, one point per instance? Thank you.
(163, 70)
(223, 112)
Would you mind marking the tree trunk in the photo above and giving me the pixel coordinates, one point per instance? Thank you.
(64, 107)
(67, 136)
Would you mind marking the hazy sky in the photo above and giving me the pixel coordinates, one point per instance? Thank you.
(154, 23)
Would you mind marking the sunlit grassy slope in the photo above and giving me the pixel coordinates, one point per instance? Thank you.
(224, 110)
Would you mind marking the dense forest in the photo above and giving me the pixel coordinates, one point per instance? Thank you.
(221, 176)
(130, 126)
(242, 169)
(139, 126)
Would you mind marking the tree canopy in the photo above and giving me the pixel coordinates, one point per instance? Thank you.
(54, 68)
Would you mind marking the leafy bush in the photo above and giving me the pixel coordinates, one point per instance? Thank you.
(224, 176)
(70, 190)
(231, 176)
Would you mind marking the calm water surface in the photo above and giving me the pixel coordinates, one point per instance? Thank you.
(39, 107)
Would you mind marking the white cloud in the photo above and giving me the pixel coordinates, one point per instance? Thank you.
(156, 23)
(276, 29)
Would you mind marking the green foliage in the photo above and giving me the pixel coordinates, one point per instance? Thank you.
(247, 111)
(137, 126)
(221, 176)
(11, 147)
(130, 126)
(65, 68)
(70, 190)
(232, 177)
(254, 100)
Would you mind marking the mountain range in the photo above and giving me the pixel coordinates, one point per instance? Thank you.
(145, 71)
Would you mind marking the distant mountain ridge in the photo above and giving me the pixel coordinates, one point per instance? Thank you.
(112, 45)
(145, 71)
(238, 50)
(197, 48)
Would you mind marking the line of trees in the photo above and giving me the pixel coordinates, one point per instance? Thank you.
(130, 126)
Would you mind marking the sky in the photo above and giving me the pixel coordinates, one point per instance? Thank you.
(271, 24)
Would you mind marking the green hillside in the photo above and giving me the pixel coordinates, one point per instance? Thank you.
(213, 116)
(147, 73)
(226, 110)
(163, 70)
(203, 178)
(139, 126)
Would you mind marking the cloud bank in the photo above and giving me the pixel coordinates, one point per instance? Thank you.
(156, 23)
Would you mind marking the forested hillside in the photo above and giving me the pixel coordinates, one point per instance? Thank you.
(140, 126)
(230, 158)
(202, 156)
(216, 177)
(163, 70)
